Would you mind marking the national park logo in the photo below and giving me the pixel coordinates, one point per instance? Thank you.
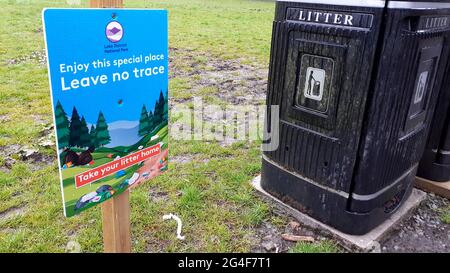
(114, 31)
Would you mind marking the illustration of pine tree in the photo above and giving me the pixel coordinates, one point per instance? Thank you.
(155, 114)
(93, 137)
(166, 110)
(102, 132)
(85, 138)
(151, 123)
(158, 113)
(75, 129)
(161, 103)
(144, 127)
(62, 126)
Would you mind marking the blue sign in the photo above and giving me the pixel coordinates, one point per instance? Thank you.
(108, 72)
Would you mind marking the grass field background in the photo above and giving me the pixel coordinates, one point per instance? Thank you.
(211, 192)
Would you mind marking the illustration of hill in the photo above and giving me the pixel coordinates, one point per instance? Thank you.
(123, 133)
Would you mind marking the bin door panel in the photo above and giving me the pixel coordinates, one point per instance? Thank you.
(413, 60)
(321, 88)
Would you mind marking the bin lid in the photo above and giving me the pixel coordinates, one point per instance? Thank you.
(399, 4)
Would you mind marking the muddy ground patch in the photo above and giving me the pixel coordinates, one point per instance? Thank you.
(423, 231)
(235, 81)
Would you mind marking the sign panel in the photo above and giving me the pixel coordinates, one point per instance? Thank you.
(428, 60)
(108, 73)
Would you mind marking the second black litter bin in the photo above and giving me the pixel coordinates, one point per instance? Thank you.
(357, 83)
(435, 163)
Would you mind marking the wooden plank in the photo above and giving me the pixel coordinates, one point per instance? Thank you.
(297, 238)
(439, 188)
(116, 224)
(106, 3)
(115, 211)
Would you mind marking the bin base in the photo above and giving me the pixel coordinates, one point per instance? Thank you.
(324, 204)
(368, 242)
(431, 170)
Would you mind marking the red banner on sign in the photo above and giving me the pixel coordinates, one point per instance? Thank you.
(104, 170)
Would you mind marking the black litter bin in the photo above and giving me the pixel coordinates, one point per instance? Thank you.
(435, 163)
(357, 83)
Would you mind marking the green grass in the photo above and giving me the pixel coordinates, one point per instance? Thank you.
(316, 247)
(445, 215)
(179, 88)
(211, 192)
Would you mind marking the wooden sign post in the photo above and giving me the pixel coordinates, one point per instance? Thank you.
(116, 224)
(115, 211)
(106, 3)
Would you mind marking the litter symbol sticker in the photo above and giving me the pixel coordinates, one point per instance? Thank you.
(315, 74)
(315, 83)
(421, 85)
